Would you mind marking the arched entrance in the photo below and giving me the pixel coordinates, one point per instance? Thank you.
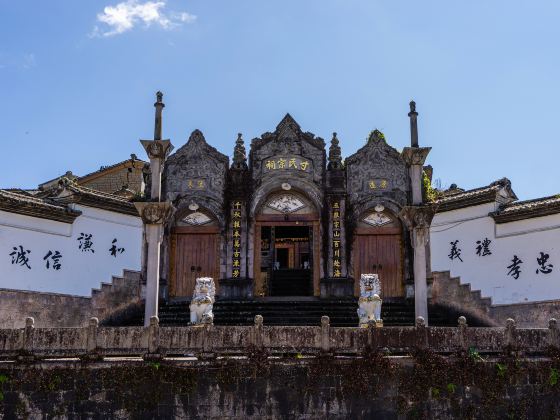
(286, 246)
(194, 251)
(378, 248)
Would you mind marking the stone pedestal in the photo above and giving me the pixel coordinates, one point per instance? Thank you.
(337, 287)
(235, 288)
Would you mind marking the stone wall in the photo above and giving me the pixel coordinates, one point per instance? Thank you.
(422, 386)
(449, 292)
(60, 310)
(530, 314)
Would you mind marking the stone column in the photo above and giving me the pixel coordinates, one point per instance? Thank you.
(418, 220)
(154, 213)
(415, 156)
(420, 237)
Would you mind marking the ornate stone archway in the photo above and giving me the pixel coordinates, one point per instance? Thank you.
(283, 211)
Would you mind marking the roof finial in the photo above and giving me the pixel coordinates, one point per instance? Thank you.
(158, 124)
(413, 124)
(239, 155)
(335, 154)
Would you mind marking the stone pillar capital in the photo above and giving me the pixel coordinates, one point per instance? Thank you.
(417, 217)
(415, 155)
(154, 213)
(157, 149)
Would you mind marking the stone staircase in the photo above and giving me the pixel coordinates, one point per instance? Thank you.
(448, 292)
(308, 312)
(115, 300)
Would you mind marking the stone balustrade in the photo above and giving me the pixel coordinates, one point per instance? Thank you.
(207, 341)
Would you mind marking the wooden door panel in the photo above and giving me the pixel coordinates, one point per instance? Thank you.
(380, 254)
(192, 250)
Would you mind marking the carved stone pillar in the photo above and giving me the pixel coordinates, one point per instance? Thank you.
(337, 233)
(415, 158)
(418, 220)
(154, 215)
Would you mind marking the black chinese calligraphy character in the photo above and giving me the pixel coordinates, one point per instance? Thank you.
(483, 247)
(55, 257)
(86, 244)
(114, 249)
(455, 251)
(20, 256)
(515, 267)
(543, 266)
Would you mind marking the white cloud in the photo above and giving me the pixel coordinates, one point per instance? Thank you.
(124, 16)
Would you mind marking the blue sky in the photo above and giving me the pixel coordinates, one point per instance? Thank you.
(78, 80)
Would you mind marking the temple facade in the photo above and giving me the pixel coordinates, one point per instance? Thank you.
(288, 218)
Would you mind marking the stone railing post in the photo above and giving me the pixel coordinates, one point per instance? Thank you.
(421, 333)
(154, 353)
(26, 355)
(510, 335)
(207, 345)
(92, 352)
(258, 342)
(325, 334)
(462, 328)
(553, 334)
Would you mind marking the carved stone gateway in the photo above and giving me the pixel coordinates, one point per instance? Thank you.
(285, 220)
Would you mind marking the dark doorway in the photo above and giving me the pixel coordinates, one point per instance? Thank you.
(286, 260)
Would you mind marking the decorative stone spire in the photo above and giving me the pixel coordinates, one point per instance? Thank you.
(239, 154)
(159, 105)
(413, 115)
(335, 154)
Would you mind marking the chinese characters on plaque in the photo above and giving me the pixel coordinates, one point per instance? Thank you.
(378, 184)
(196, 184)
(336, 239)
(288, 163)
(236, 236)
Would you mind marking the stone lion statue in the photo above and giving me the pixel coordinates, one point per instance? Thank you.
(203, 301)
(369, 303)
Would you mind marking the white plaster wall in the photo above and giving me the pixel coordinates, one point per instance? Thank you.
(80, 271)
(524, 238)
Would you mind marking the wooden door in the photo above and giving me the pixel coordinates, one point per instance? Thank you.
(380, 254)
(195, 255)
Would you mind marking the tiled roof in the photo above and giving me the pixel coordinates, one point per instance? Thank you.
(528, 209)
(102, 169)
(71, 192)
(458, 198)
(29, 205)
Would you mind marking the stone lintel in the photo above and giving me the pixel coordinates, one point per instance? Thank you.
(415, 155)
(154, 213)
(157, 149)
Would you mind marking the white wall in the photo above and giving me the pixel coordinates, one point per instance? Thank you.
(525, 238)
(80, 271)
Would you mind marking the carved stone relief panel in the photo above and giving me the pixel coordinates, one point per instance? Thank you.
(377, 169)
(197, 171)
(288, 152)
